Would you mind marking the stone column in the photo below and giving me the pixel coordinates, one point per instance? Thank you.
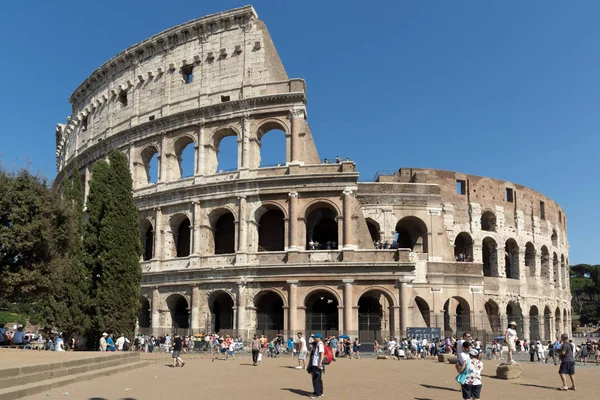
(348, 303)
(405, 293)
(200, 156)
(245, 157)
(242, 226)
(503, 321)
(86, 187)
(523, 270)
(526, 328)
(195, 304)
(296, 116)
(538, 263)
(158, 239)
(196, 228)
(241, 313)
(396, 332)
(347, 210)
(293, 304)
(155, 312)
(163, 164)
(293, 221)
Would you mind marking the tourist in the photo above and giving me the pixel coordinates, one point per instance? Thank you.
(176, 353)
(302, 352)
(510, 336)
(110, 343)
(59, 345)
(471, 389)
(356, 348)
(230, 352)
(317, 368)
(290, 346)
(333, 343)
(465, 337)
(120, 342)
(463, 356)
(255, 348)
(596, 349)
(103, 344)
(532, 352)
(375, 347)
(391, 346)
(539, 348)
(567, 364)
(347, 344)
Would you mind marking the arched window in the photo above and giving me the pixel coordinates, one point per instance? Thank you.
(530, 258)
(150, 165)
(489, 251)
(554, 238)
(321, 228)
(547, 323)
(488, 221)
(221, 308)
(514, 313)
(411, 233)
(144, 313)
(269, 312)
(564, 271)
(534, 323)
(272, 145)
(180, 228)
(178, 307)
(227, 154)
(511, 259)
(493, 314)
(424, 310)
(148, 241)
(556, 270)
(184, 151)
(373, 230)
(545, 263)
(271, 231)
(321, 312)
(457, 316)
(463, 247)
(224, 234)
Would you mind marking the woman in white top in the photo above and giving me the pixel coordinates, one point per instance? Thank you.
(510, 336)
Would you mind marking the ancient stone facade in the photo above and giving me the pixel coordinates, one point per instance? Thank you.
(233, 251)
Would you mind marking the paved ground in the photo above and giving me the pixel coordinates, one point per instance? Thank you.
(11, 358)
(276, 379)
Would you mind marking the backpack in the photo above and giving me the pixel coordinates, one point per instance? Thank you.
(328, 355)
(126, 346)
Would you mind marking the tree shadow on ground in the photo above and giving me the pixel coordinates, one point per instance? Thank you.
(299, 392)
(440, 388)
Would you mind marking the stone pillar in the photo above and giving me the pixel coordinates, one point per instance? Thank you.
(503, 321)
(296, 116)
(195, 305)
(293, 221)
(196, 228)
(155, 312)
(163, 163)
(348, 303)
(347, 210)
(405, 293)
(158, 236)
(293, 310)
(86, 187)
(538, 263)
(523, 270)
(242, 226)
(245, 156)
(200, 156)
(396, 332)
(526, 328)
(241, 310)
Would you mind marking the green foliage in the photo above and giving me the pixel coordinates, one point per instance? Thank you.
(585, 292)
(112, 246)
(9, 317)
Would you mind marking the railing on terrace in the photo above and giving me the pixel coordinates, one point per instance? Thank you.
(383, 172)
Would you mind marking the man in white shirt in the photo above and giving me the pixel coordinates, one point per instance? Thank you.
(302, 352)
(120, 342)
(317, 366)
(459, 345)
(391, 346)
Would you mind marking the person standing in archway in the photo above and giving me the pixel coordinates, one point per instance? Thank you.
(510, 336)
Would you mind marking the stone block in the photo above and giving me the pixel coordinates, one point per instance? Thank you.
(509, 371)
(452, 360)
(382, 357)
(444, 357)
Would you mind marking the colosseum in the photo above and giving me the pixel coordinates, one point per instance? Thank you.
(303, 245)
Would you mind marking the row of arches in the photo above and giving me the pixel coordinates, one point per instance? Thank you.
(488, 223)
(221, 153)
(410, 233)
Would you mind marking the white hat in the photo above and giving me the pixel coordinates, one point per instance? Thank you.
(105, 334)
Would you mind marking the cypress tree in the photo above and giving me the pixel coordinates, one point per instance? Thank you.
(112, 246)
(68, 306)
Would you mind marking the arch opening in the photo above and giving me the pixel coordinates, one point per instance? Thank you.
(143, 316)
(272, 139)
(185, 153)
(224, 234)
(556, 270)
(221, 308)
(534, 324)
(178, 307)
(493, 314)
(489, 250)
(511, 259)
(373, 230)
(463, 247)
(547, 324)
(269, 312)
(322, 229)
(564, 271)
(150, 163)
(530, 258)
(271, 231)
(457, 316)
(181, 236)
(424, 310)
(411, 233)
(227, 153)
(557, 322)
(488, 221)
(545, 264)
(148, 241)
(554, 238)
(514, 313)
(322, 313)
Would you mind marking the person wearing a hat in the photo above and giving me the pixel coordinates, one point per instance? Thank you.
(103, 343)
(316, 366)
(539, 348)
(510, 336)
(471, 389)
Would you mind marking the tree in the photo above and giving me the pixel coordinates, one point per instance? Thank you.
(68, 306)
(112, 246)
(34, 232)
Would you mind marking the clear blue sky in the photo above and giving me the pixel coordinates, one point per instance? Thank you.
(503, 89)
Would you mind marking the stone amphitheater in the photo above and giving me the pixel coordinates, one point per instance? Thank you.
(292, 247)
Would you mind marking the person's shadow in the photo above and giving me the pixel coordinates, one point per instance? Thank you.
(440, 388)
(299, 392)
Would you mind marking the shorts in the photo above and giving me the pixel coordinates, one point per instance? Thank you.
(230, 353)
(175, 353)
(471, 391)
(567, 368)
(511, 345)
(302, 355)
(223, 351)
